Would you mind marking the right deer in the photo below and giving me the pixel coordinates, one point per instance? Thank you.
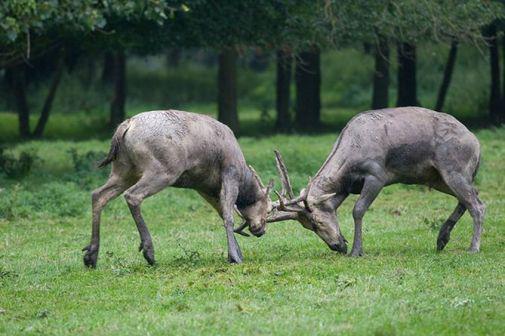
(409, 145)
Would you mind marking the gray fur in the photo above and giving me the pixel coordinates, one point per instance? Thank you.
(409, 145)
(157, 149)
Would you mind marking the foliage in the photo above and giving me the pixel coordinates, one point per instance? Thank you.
(263, 23)
(409, 20)
(290, 282)
(16, 167)
(85, 165)
(31, 28)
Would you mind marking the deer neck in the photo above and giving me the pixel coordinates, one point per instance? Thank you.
(249, 190)
(328, 180)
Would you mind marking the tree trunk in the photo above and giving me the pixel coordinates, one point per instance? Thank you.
(283, 84)
(308, 83)
(173, 57)
(18, 81)
(495, 100)
(407, 90)
(46, 109)
(117, 108)
(503, 57)
(227, 89)
(449, 68)
(108, 67)
(380, 95)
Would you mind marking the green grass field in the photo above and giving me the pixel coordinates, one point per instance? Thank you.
(290, 282)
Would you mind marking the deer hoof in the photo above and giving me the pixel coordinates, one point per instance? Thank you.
(90, 256)
(356, 253)
(234, 259)
(441, 242)
(473, 250)
(148, 252)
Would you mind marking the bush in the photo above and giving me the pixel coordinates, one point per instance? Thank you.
(85, 162)
(85, 166)
(19, 167)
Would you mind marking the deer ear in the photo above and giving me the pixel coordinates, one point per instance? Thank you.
(322, 198)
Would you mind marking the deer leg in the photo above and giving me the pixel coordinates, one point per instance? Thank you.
(371, 188)
(468, 196)
(99, 198)
(148, 185)
(445, 231)
(227, 199)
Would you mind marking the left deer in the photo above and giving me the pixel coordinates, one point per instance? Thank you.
(157, 149)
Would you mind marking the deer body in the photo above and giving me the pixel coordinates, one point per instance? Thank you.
(157, 149)
(407, 145)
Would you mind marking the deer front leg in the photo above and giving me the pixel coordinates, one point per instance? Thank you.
(227, 199)
(369, 192)
(150, 183)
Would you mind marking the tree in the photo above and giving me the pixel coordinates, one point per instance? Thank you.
(448, 70)
(31, 30)
(283, 88)
(496, 104)
(408, 23)
(117, 107)
(225, 25)
(227, 89)
(308, 83)
(407, 85)
(18, 81)
(108, 67)
(380, 95)
(46, 108)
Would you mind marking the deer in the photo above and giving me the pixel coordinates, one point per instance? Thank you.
(157, 149)
(378, 148)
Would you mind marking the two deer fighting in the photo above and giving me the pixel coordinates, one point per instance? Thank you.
(410, 145)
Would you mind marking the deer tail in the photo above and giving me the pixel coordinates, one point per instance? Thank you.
(115, 144)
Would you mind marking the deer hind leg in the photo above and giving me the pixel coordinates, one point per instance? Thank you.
(99, 199)
(445, 231)
(371, 188)
(149, 184)
(468, 196)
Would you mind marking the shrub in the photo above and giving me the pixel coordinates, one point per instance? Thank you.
(85, 166)
(17, 167)
(85, 162)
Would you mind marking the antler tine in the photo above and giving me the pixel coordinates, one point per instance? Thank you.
(287, 190)
(237, 211)
(283, 206)
(306, 193)
(278, 217)
(256, 176)
(240, 229)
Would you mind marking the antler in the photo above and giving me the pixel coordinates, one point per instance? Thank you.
(240, 229)
(256, 176)
(287, 190)
(281, 216)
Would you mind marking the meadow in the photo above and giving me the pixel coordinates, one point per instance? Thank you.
(289, 283)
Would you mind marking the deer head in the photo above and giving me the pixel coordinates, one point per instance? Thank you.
(255, 214)
(311, 210)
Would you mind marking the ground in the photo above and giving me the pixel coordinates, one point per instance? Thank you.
(289, 283)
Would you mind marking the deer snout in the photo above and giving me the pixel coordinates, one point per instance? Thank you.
(340, 247)
(258, 232)
(257, 229)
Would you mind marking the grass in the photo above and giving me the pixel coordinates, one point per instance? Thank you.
(290, 282)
